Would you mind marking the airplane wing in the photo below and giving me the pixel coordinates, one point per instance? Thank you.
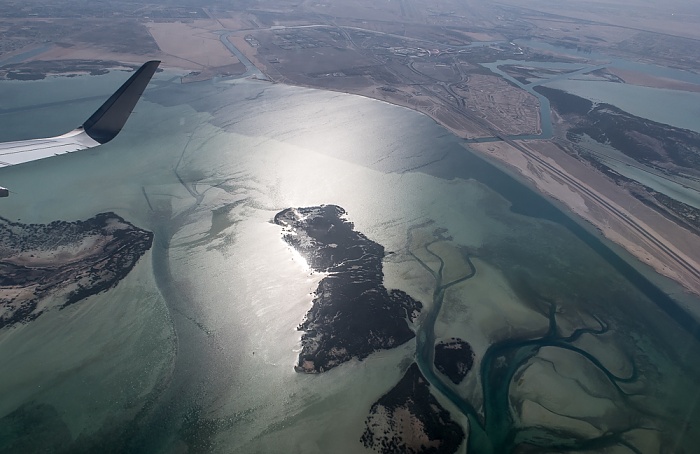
(101, 127)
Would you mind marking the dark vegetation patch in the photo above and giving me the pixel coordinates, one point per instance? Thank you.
(63, 261)
(408, 419)
(454, 358)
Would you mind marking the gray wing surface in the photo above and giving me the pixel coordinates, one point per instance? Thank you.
(100, 128)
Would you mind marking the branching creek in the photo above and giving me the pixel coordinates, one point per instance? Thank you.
(494, 428)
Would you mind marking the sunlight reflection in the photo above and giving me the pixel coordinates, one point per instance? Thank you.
(298, 258)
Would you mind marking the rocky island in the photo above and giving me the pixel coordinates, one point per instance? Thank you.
(43, 266)
(408, 419)
(353, 314)
(454, 359)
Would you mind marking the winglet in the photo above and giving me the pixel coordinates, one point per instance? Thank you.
(109, 119)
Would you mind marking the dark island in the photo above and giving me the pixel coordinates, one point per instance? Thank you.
(43, 266)
(353, 314)
(454, 358)
(408, 419)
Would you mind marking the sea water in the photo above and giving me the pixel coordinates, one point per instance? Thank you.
(196, 347)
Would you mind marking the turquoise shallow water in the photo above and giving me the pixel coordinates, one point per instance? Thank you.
(673, 107)
(205, 325)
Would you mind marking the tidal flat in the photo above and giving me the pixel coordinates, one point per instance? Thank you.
(204, 326)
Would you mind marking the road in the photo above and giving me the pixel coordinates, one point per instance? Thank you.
(612, 209)
(251, 69)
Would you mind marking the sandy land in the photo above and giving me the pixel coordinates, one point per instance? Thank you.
(90, 52)
(485, 37)
(587, 32)
(64, 253)
(190, 46)
(193, 42)
(682, 242)
(641, 15)
(647, 80)
(239, 22)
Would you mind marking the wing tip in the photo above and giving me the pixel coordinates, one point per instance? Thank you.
(108, 120)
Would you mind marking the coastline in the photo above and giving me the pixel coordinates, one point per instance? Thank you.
(208, 323)
(611, 209)
(611, 225)
(613, 228)
(492, 287)
(672, 235)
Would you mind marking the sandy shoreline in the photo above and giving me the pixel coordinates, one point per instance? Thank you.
(646, 80)
(684, 243)
(190, 46)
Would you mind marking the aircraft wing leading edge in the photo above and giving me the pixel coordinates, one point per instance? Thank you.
(100, 128)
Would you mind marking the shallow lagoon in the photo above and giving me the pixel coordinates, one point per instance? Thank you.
(196, 347)
(672, 107)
